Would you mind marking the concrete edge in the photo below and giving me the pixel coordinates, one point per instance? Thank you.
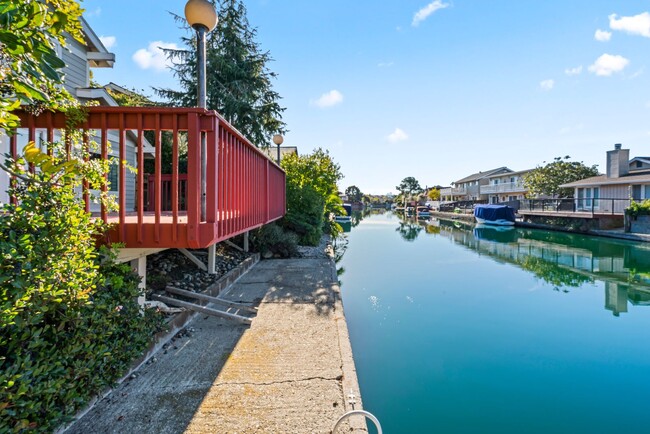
(179, 322)
(350, 382)
(452, 216)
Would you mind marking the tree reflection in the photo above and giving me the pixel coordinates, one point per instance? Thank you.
(409, 230)
(553, 274)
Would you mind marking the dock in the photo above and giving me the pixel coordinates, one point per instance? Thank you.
(290, 371)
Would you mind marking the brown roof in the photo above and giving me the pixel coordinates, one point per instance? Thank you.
(481, 175)
(604, 180)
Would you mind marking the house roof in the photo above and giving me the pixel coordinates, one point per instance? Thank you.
(98, 56)
(481, 175)
(518, 172)
(595, 181)
(272, 151)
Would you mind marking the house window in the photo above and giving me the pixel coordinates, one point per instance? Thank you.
(639, 164)
(640, 192)
(588, 198)
(512, 179)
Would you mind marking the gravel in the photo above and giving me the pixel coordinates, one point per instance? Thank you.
(172, 268)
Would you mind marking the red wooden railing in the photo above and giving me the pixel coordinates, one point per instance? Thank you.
(245, 189)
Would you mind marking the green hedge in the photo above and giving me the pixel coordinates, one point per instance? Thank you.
(70, 327)
(638, 208)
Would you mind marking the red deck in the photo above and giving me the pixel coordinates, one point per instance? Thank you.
(245, 189)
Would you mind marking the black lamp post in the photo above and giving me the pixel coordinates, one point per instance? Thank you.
(201, 15)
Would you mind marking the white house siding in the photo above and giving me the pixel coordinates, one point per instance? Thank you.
(614, 192)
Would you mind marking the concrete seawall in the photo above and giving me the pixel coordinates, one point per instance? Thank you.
(289, 372)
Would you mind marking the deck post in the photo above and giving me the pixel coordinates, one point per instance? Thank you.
(140, 267)
(212, 259)
(246, 241)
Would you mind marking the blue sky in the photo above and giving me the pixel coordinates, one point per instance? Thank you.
(431, 89)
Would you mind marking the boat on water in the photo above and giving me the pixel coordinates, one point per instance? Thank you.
(347, 216)
(500, 215)
(423, 211)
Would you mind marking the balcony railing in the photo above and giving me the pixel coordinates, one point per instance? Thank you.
(506, 187)
(245, 189)
(599, 206)
(453, 191)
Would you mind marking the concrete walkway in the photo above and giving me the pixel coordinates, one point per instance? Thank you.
(290, 372)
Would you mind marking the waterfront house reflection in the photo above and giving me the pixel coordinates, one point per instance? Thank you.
(565, 260)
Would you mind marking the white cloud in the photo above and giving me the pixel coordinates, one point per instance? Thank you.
(94, 13)
(636, 25)
(426, 11)
(602, 35)
(647, 104)
(573, 71)
(397, 136)
(329, 99)
(108, 41)
(153, 56)
(547, 84)
(607, 64)
(385, 64)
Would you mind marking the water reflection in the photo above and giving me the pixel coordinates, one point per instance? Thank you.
(560, 259)
(409, 229)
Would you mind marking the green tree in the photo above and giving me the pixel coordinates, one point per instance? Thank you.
(546, 180)
(434, 194)
(353, 193)
(29, 66)
(239, 82)
(312, 195)
(409, 187)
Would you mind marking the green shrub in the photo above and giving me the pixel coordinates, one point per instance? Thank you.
(638, 208)
(305, 213)
(312, 196)
(70, 327)
(272, 238)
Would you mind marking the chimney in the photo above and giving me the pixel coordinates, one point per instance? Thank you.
(618, 162)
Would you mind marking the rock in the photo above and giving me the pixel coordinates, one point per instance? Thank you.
(267, 255)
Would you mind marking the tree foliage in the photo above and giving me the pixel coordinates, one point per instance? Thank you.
(546, 180)
(312, 195)
(70, 327)
(434, 194)
(409, 187)
(29, 65)
(354, 193)
(239, 82)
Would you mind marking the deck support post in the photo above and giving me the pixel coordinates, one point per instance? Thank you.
(246, 241)
(140, 267)
(212, 259)
(199, 263)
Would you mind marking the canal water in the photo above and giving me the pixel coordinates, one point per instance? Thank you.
(463, 329)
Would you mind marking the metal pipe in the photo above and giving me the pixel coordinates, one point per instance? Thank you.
(201, 103)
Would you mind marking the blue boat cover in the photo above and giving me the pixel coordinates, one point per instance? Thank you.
(494, 212)
(348, 208)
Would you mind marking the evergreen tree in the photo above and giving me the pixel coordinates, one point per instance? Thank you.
(239, 82)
